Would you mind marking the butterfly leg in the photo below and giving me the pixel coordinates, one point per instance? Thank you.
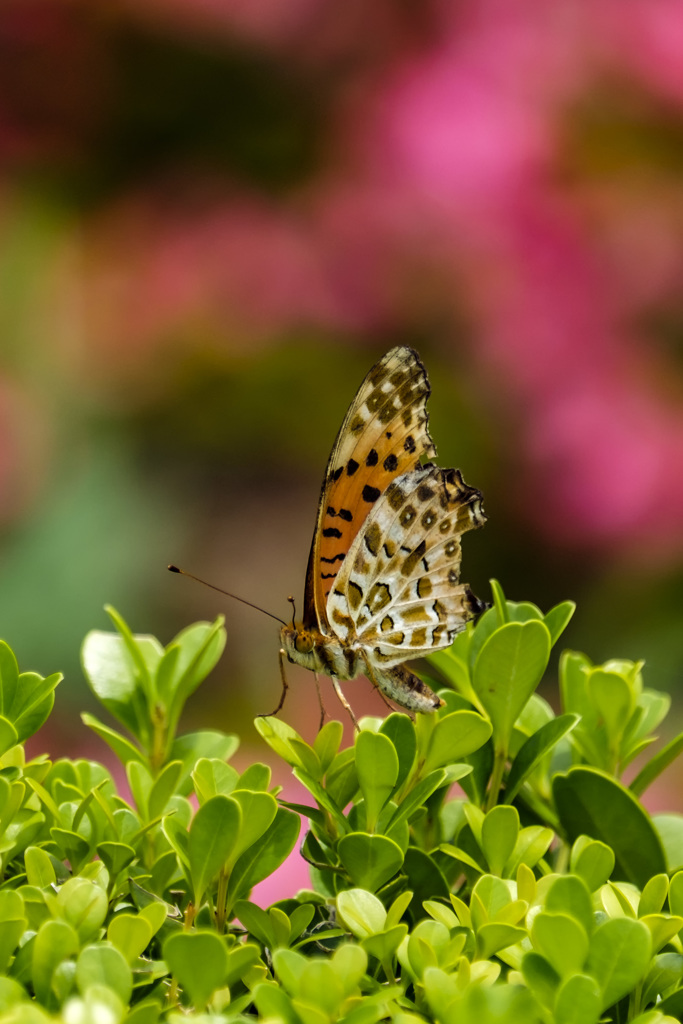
(320, 702)
(342, 698)
(285, 687)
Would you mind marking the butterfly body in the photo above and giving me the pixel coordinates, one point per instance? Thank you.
(382, 585)
(329, 656)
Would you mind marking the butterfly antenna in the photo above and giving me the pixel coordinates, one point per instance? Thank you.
(174, 568)
(291, 601)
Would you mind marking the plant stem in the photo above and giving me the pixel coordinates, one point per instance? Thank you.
(496, 779)
(221, 901)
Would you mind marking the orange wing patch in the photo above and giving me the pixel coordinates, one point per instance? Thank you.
(384, 434)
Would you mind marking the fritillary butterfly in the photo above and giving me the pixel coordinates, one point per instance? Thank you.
(382, 585)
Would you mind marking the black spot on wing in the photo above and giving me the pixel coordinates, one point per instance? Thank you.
(331, 531)
(331, 561)
(351, 467)
(372, 458)
(390, 463)
(409, 443)
(370, 494)
(343, 513)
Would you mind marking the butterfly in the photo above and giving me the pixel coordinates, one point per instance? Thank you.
(382, 584)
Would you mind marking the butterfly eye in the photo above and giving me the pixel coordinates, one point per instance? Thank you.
(304, 643)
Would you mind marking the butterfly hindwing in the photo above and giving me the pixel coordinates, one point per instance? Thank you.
(397, 594)
(384, 434)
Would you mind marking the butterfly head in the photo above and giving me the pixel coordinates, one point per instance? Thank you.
(297, 642)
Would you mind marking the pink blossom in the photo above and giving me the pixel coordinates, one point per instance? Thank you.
(646, 40)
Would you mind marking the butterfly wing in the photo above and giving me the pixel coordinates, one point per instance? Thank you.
(397, 594)
(383, 435)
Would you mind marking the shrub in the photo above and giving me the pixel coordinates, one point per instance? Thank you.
(539, 891)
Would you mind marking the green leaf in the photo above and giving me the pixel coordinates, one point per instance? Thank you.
(320, 987)
(123, 748)
(534, 749)
(349, 963)
(370, 860)
(140, 782)
(213, 835)
(8, 735)
(9, 678)
(211, 777)
(618, 957)
(146, 1012)
(614, 699)
(240, 959)
(377, 768)
(383, 945)
(164, 787)
(258, 814)
(265, 855)
(578, 1001)
(541, 977)
(278, 735)
(662, 928)
(590, 802)
(131, 934)
(496, 935)
(416, 797)
(257, 922)
(13, 924)
(654, 895)
(499, 832)
(195, 745)
(499, 602)
(74, 848)
(103, 964)
(115, 678)
(200, 646)
(327, 742)
(116, 857)
(558, 618)
(83, 905)
(256, 777)
(561, 940)
(454, 737)
(669, 828)
(508, 669)
(56, 941)
(33, 701)
(401, 731)
(592, 860)
(656, 765)
(425, 878)
(569, 895)
(199, 961)
(676, 894)
(361, 912)
(39, 868)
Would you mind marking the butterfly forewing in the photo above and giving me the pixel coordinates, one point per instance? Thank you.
(397, 593)
(384, 434)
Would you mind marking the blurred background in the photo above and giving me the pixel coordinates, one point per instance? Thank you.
(215, 215)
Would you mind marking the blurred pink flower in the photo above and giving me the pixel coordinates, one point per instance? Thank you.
(603, 447)
(250, 269)
(469, 118)
(645, 40)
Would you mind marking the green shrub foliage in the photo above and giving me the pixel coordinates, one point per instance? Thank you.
(536, 890)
